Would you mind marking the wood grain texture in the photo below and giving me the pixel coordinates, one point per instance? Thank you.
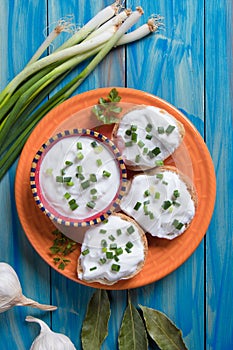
(189, 64)
(219, 136)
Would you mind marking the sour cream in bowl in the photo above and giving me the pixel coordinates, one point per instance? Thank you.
(78, 178)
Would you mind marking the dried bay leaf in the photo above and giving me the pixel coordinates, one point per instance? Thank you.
(162, 330)
(132, 334)
(95, 324)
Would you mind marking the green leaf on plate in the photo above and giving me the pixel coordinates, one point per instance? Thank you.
(95, 324)
(132, 334)
(162, 330)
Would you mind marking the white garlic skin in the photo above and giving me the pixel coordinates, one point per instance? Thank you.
(49, 340)
(10, 288)
(11, 291)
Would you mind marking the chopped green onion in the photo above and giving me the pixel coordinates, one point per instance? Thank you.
(79, 145)
(151, 154)
(137, 158)
(165, 183)
(104, 249)
(93, 268)
(93, 191)
(91, 204)
(68, 163)
(128, 132)
(106, 173)
(166, 205)
(69, 183)
(148, 136)
(128, 144)
(98, 149)
(176, 204)
(85, 252)
(80, 155)
(134, 127)
(128, 250)
(169, 129)
(94, 144)
(49, 171)
(93, 178)
(159, 163)
(85, 184)
(160, 129)
(67, 195)
(156, 151)
(157, 195)
(102, 261)
(145, 150)
(179, 226)
(146, 210)
(129, 245)
(104, 243)
(175, 222)
(118, 231)
(119, 251)
(98, 162)
(73, 205)
(112, 238)
(147, 193)
(176, 193)
(59, 179)
(141, 143)
(137, 205)
(94, 198)
(134, 137)
(149, 127)
(115, 267)
(113, 246)
(115, 257)
(109, 255)
(130, 229)
(79, 169)
(80, 176)
(102, 231)
(159, 176)
(67, 179)
(151, 215)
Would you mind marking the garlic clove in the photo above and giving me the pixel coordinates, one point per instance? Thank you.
(48, 340)
(11, 291)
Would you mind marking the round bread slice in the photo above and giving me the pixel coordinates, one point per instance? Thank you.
(146, 136)
(112, 251)
(163, 201)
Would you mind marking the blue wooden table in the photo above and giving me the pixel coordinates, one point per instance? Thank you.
(189, 64)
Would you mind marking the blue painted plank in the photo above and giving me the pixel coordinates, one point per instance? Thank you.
(219, 136)
(21, 31)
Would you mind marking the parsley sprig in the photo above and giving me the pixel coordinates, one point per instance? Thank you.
(107, 109)
(62, 246)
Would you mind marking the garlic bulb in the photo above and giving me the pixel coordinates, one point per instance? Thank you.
(49, 340)
(11, 291)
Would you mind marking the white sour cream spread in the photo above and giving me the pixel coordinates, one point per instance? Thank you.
(146, 136)
(111, 251)
(160, 203)
(79, 178)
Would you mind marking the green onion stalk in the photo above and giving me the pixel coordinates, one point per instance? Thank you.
(20, 99)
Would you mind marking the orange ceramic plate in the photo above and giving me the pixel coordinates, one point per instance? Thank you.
(192, 158)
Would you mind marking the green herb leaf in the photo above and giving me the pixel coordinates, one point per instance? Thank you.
(95, 324)
(132, 334)
(107, 109)
(162, 330)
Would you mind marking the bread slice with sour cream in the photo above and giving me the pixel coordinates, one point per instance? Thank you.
(146, 136)
(112, 251)
(163, 201)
